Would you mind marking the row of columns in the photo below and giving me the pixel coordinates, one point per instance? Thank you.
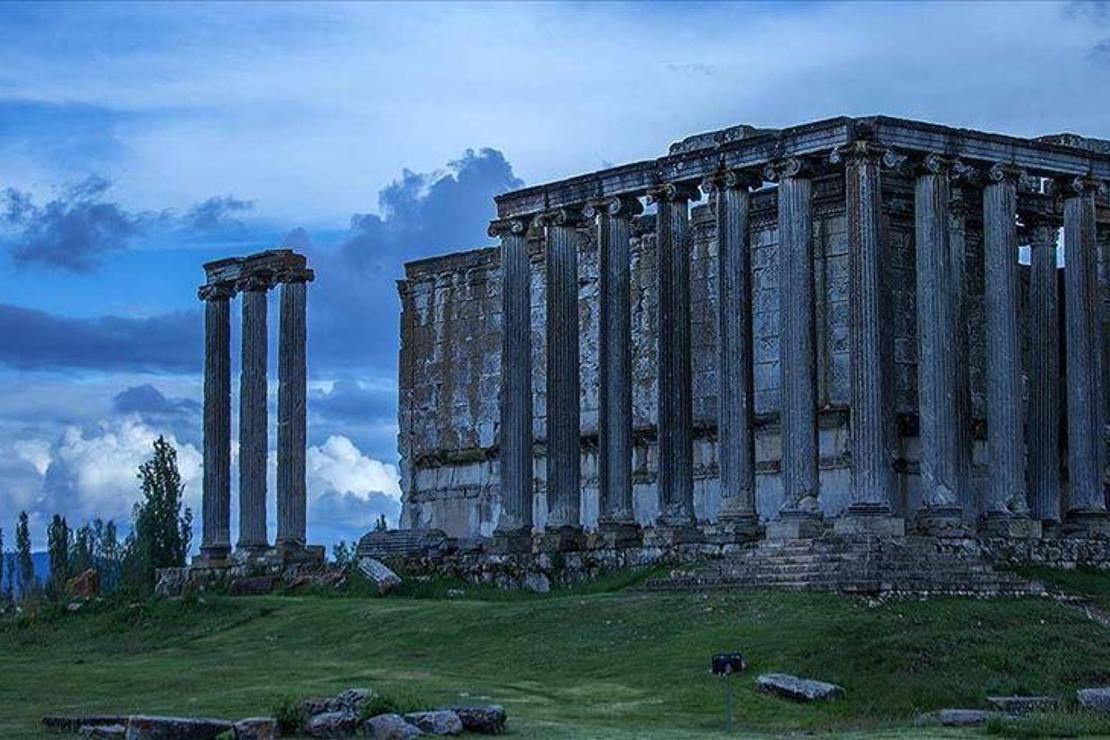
(253, 437)
(943, 410)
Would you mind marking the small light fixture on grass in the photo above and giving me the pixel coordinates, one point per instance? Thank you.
(724, 665)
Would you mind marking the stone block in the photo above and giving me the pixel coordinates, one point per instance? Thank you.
(256, 728)
(482, 720)
(942, 522)
(1019, 705)
(1094, 699)
(560, 539)
(876, 525)
(798, 689)
(380, 574)
(439, 722)
(1013, 526)
(102, 731)
(795, 526)
(1086, 524)
(142, 727)
(252, 586)
(616, 536)
(732, 532)
(669, 535)
(508, 543)
(68, 725)
(332, 724)
(957, 717)
(390, 727)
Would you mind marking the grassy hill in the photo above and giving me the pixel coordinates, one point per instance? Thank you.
(572, 664)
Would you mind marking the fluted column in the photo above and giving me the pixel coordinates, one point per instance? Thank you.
(1006, 484)
(252, 415)
(614, 230)
(216, 503)
(515, 432)
(292, 500)
(676, 441)
(735, 385)
(797, 339)
(563, 417)
(961, 275)
(871, 421)
(1086, 501)
(936, 328)
(1044, 375)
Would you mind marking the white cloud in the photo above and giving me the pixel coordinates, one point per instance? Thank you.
(338, 466)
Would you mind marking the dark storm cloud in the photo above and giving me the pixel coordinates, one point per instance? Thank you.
(348, 400)
(217, 213)
(35, 339)
(72, 232)
(147, 400)
(356, 309)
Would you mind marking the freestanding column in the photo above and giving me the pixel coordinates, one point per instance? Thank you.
(797, 345)
(676, 441)
(735, 386)
(514, 527)
(292, 501)
(563, 417)
(872, 481)
(614, 229)
(1044, 376)
(1006, 486)
(216, 539)
(936, 368)
(252, 415)
(1086, 500)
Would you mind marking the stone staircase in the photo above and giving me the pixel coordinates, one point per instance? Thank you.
(854, 564)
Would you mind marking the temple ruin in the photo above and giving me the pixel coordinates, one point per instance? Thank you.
(253, 277)
(859, 326)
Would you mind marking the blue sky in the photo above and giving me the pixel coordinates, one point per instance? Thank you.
(138, 141)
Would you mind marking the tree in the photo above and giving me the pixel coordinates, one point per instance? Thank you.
(27, 583)
(82, 550)
(9, 582)
(163, 529)
(58, 542)
(108, 554)
(343, 554)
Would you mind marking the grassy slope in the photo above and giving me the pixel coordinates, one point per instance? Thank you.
(620, 664)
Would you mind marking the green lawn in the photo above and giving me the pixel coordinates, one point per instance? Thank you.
(617, 664)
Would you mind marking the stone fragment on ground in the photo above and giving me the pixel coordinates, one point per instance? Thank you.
(798, 689)
(67, 725)
(1095, 699)
(251, 586)
(350, 700)
(142, 727)
(332, 724)
(438, 722)
(380, 574)
(1018, 705)
(484, 720)
(102, 731)
(958, 717)
(256, 728)
(390, 727)
(85, 584)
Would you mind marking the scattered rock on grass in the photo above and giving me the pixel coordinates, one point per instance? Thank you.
(1095, 699)
(379, 574)
(440, 722)
(390, 727)
(58, 724)
(331, 724)
(798, 689)
(484, 720)
(140, 727)
(256, 728)
(102, 731)
(957, 717)
(1019, 705)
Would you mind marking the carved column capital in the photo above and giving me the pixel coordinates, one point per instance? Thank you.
(732, 180)
(1002, 172)
(865, 151)
(260, 281)
(499, 228)
(216, 291)
(569, 217)
(1079, 185)
(295, 275)
(788, 167)
(623, 206)
(672, 192)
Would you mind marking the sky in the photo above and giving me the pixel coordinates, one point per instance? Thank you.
(138, 141)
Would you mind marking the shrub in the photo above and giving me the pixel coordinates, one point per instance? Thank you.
(393, 703)
(288, 715)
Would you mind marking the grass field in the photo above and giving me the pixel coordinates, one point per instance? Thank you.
(615, 663)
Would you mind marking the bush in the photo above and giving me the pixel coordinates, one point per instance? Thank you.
(288, 715)
(394, 703)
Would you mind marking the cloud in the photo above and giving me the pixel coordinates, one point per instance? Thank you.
(39, 340)
(348, 491)
(146, 400)
(215, 213)
(73, 232)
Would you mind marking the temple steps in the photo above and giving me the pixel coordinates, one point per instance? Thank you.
(853, 565)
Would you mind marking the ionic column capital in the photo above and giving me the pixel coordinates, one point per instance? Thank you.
(295, 275)
(732, 180)
(500, 228)
(216, 291)
(259, 282)
(1008, 173)
(1078, 186)
(780, 169)
(672, 192)
(858, 152)
(622, 206)
(569, 217)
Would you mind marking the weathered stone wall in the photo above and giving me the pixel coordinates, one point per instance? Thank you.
(450, 365)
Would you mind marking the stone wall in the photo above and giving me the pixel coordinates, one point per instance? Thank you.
(450, 365)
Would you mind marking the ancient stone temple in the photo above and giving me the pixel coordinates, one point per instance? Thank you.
(252, 278)
(856, 326)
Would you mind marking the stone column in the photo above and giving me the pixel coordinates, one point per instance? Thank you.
(252, 415)
(871, 419)
(564, 445)
(936, 363)
(292, 500)
(616, 520)
(962, 283)
(1044, 375)
(676, 440)
(735, 385)
(514, 527)
(798, 351)
(1086, 499)
(1006, 495)
(216, 539)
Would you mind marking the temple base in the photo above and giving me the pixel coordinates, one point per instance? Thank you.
(559, 539)
(505, 542)
(942, 522)
(734, 530)
(795, 525)
(1086, 524)
(615, 535)
(869, 519)
(1017, 526)
(212, 557)
(666, 535)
